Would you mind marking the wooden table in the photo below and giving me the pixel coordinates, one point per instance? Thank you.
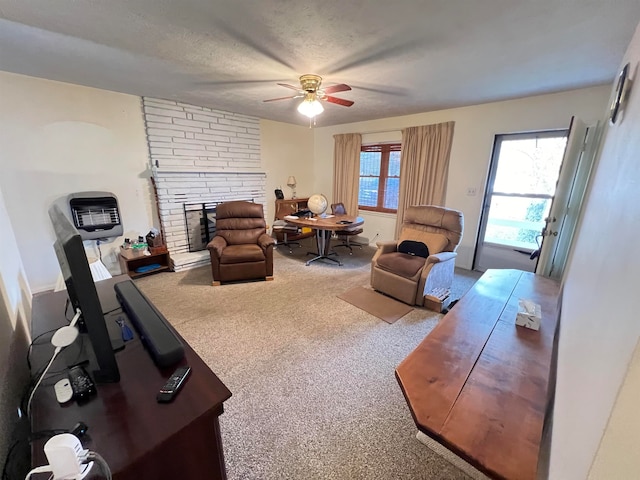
(138, 437)
(131, 259)
(480, 385)
(324, 227)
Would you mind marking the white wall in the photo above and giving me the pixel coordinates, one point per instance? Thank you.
(618, 456)
(57, 139)
(599, 323)
(286, 150)
(475, 129)
(15, 316)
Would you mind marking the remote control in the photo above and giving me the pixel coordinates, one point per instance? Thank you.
(170, 389)
(81, 383)
(63, 390)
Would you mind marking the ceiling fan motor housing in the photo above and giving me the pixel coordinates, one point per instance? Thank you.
(310, 83)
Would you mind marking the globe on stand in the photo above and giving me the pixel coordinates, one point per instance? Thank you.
(318, 204)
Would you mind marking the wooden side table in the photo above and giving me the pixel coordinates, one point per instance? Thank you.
(131, 260)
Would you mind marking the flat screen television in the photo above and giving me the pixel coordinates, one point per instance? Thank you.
(82, 293)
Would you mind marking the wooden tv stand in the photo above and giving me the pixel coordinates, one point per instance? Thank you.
(138, 437)
(478, 384)
(130, 260)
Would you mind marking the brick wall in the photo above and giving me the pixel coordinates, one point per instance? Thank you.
(200, 155)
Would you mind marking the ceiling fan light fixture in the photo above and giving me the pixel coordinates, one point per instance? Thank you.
(310, 106)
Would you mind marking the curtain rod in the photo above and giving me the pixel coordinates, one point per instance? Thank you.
(373, 131)
(380, 131)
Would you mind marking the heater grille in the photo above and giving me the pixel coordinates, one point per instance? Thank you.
(95, 215)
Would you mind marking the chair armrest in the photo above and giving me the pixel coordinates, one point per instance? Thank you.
(265, 240)
(383, 247)
(216, 246)
(438, 272)
(387, 246)
(441, 257)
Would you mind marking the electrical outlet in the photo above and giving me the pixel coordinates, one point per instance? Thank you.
(472, 191)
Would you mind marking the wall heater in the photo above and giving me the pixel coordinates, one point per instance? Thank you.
(95, 214)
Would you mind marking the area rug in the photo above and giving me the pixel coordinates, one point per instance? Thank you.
(383, 307)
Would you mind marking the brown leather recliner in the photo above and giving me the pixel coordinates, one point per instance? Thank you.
(409, 278)
(241, 248)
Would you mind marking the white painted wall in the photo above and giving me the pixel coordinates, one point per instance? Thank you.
(475, 129)
(57, 139)
(599, 323)
(286, 150)
(618, 456)
(15, 315)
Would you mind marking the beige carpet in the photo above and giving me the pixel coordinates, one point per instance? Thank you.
(383, 307)
(312, 376)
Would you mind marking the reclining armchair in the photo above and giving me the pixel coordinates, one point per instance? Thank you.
(410, 277)
(241, 248)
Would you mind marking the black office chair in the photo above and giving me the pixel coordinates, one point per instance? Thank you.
(346, 235)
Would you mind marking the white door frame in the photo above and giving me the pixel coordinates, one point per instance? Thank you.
(575, 172)
(491, 255)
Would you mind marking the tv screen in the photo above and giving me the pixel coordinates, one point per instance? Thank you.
(82, 293)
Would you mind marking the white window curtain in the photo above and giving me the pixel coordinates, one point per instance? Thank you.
(346, 170)
(424, 167)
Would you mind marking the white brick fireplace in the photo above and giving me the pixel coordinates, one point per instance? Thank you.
(200, 155)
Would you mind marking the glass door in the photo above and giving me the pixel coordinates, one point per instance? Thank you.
(522, 183)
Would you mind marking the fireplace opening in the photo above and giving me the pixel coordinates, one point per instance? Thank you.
(200, 219)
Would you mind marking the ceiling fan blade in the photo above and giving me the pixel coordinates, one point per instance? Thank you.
(286, 85)
(339, 101)
(337, 88)
(283, 98)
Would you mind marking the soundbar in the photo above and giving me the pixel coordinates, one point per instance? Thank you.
(156, 334)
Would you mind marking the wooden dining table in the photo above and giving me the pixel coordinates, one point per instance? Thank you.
(325, 226)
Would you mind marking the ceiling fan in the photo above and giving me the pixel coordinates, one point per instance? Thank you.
(311, 92)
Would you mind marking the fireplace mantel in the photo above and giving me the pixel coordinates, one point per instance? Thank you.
(159, 169)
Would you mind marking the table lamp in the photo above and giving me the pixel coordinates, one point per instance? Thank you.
(291, 182)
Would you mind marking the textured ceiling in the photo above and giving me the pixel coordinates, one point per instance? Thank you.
(399, 57)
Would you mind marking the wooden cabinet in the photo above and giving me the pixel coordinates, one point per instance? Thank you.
(131, 260)
(289, 206)
(139, 437)
(289, 234)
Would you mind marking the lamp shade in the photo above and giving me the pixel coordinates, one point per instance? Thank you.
(310, 107)
(291, 181)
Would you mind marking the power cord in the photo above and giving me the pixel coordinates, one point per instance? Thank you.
(96, 457)
(62, 338)
(45, 468)
(33, 342)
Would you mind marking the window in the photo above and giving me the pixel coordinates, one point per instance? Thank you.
(379, 177)
(524, 174)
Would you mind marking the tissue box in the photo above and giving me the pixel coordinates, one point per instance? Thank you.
(529, 314)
